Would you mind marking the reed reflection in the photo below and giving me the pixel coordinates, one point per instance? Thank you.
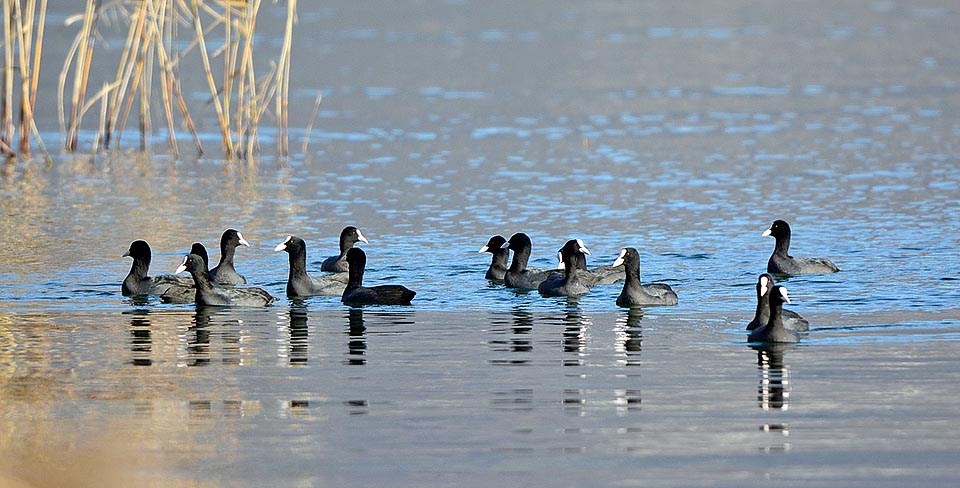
(141, 341)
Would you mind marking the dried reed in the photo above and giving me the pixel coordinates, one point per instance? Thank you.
(239, 98)
(23, 27)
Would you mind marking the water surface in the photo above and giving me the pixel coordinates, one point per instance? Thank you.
(681, 130)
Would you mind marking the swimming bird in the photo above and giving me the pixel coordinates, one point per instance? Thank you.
(601, 275)
(137, 281)
(501, 256)
(791, 320)
(299, 283)
(357, 294)
(209, 294)
(635, 293)
(186, 292)
(224, 273)
(782, 263)
(568, 284)
(349, 236)
(519, 275)
(773, 330)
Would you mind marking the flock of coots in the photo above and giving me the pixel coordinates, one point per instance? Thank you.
(343, 276)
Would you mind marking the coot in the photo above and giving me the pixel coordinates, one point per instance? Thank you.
(213, 295)
(636, 294)
(501, 256)
(567, 285)
(357, 294)
(773, 330)
(224, 273)
(137, 281)
(299, 283)
(791, 320)
(519, 275)
(782, 263)
(186, 292)
(349, 236)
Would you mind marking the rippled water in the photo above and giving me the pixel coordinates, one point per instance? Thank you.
(682, 130)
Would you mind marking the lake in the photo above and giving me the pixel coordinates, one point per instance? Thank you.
(682, 130)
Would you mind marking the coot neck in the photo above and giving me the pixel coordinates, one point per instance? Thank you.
(500, 258)
(775, 322)
(226, 253)
(783, 243)
(345, 245)
(355, 275)
(140, 267)
(631, 268)
(298, 262)
(520, 258)
(763, 307)
(201, 278)
(570, 267)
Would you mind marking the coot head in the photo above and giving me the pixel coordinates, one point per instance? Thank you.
(291, 245)
(493, 245)
(192, 263)
(518, 241)
(779, 229)
(233, 237)
(139, 249)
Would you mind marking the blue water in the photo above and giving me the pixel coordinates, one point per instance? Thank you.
(683, 131)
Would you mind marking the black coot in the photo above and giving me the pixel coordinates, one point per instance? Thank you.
(349, 236)
(138, 281)
(782, 263)
(773, 330)
(601, 275)
(568, 284)
(186, 293)
(791, 320)
(634, 293)
(299, 283)
(519, 275)
(208, 294)
(501, 257)
(357, 294)
(224, 273)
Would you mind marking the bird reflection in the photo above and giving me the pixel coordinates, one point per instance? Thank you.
(522, 325)
(629, 335)
(357, 343)
(773, 393)
(298, 336)
(141, 342)
(574, 333)
(198, 338)
(512, 335)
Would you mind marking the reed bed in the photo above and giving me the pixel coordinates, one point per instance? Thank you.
(163, 42)
(23, 25)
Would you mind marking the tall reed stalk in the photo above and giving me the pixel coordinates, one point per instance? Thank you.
(23, 27)
(240, 96)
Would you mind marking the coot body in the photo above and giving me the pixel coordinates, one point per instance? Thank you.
(357, 294)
